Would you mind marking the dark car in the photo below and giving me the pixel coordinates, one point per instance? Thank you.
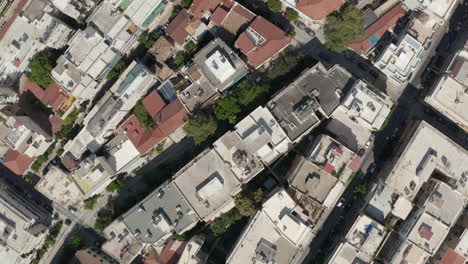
(374, 74)
(310, 32)
(300, 25)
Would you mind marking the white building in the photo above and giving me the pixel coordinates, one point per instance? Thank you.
(366, 107)
(142, 12)
(399, 61)
(33, 30)
(107, 114)
(93, 52)
(441, 9)
(276, 234)
(22, 134)
(450, 94)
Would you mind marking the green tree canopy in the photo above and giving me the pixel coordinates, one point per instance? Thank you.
(143, 116)
(179, 59)
(185, 3)
(222, 223)
(249, 91)
(200, 127)
(190, 47)
(41, 66)
(118, 69)
(292, 14)
(342, 27)
(275, 5)
(115, 185)
(90, 203)
(245, 205)
(227, 108)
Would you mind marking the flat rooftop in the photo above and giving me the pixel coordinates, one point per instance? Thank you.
(60, 188)
(263, 136)
(276, 234)
(235, 152)
(310, 98)
(198, 95)
(154, 218)
(220, 64)
(207, 183)
(347, 254)
(409, 253)
(420, 157)
(366, 235)
(450, 95)
(445, 204)
(380, 205)
(428, 233)
(120, 244)
(363, 103)
(309, 179)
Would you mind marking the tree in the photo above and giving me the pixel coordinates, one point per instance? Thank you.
(118, 69)
(361, 190)
(222, 223)
(257, 196)
(179, 59)
(249, 91)
(190, 47)
(227, 108)
(41, 66)
(342, 27)
(245, 205)
(102, 222)
(75, 242)
(115, 185)
(146, 121)
(275, 5)
(200, 127)
(90, 203)
(185, 3)
(292, 14)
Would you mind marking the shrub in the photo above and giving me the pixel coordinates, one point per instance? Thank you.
(292, 14)
(275, 5)
(115, 185)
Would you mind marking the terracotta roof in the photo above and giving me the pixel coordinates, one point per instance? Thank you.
(200, 7)
(17, 162)
(153, 103)
(241, 10)
(318, 9)
(69, 161)
(168, 119)
(56, 123)
(275, 41)
(17, 63)
(328, 167)
(162, 49)
(375, 31)
(177, 29)
(54, 96)
(219, 15)
(355, 164)
(452, 257)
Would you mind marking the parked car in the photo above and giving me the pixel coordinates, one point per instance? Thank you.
(372, 168)
(374, 74)
(300, 25)
(310, 32)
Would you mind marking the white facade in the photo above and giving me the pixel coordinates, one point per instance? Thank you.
(276, 234)
(440, 9)
(450, 94)
(368, 108)
(399, 61)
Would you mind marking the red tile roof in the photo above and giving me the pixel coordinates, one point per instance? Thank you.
(177, 29)
(199, 7)
(452, 257)
(328, 168)
(219, 15)
(243, 12)
(425, 233)
(17, 162)
(168, 119)
(377, 29)
(153, 103)
(318, 9)
(17, 63)
(275, 41)
(54, 96)
(355, 164)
